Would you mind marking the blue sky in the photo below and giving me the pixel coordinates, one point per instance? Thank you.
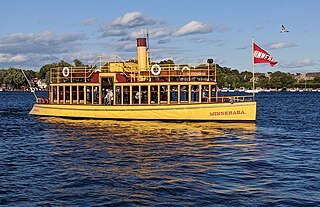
(37, 32)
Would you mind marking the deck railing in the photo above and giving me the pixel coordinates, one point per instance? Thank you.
(168, 72)
(231, 99)
(83, 73)
(153, 73)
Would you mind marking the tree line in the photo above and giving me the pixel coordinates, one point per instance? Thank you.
(226, 77)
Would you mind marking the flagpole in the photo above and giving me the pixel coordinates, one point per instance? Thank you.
(253, 67)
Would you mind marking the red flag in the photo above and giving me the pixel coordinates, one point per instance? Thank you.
(261, 56)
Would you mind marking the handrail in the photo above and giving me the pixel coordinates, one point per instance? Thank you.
(102, 60)
(169, 72)
(231, 99)
(182, 72)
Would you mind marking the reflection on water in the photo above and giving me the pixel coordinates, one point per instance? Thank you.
(153, 128)
(154, 161)
(65, 162)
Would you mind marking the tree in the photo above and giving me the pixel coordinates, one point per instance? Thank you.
(78, 62)
(316, 79)
(45, 70)
(167, 62)
(279, 79)
(263, 82)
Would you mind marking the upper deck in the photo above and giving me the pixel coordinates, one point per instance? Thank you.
(130, 72)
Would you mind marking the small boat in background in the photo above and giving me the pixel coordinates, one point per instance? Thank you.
(242, 89)
(251, 91)
(224, 90)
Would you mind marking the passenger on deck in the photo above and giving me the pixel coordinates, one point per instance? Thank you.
(88, 94)
(95, 94)
(137, 97)
(104, 96)
(109, 97)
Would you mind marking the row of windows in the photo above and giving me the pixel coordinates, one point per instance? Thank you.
(159, 94)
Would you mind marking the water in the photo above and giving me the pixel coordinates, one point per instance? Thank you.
(63, 162)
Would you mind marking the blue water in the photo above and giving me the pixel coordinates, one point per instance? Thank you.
(63, 162)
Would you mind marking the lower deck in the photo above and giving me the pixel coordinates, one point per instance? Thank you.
(227, 111)
(160, 93)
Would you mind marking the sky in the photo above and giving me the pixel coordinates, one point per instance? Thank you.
(38, 32)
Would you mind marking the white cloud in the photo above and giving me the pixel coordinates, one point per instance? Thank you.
(40, 43)
(132, 19)
(88, 21)
(153, 33)
(280, 45)
(7, 58)
(193, 27)
(300, 63)
(108, 32)
(40, 37)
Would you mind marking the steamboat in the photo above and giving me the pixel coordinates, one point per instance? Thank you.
(111, 88)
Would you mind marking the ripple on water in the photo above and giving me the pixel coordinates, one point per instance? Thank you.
(63, 162)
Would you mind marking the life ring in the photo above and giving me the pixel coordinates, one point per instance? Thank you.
(155, 66)
(185, 68)
(65, 72)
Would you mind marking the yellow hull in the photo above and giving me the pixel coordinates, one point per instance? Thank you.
(233, 112)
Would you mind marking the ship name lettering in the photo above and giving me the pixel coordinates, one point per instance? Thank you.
(226, 113)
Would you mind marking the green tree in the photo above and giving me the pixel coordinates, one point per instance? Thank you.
(263, 82)
(78, 62)
(279, 79)
(167, 62)
(316, 79)
(45, 69)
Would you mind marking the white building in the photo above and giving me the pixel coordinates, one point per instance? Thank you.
(42, 84)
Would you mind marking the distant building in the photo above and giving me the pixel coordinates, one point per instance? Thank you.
(41, 83)
(307, 76)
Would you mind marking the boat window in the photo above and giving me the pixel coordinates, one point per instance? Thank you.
(144, 94)
(195, 93)
(74, 94)
(67, 94)
(54, 94)
(163, 94)
(135, 95)
(81, 94)
(60, 94)
(89, 94)
(205, 93)
(174, 93)
(213, 93)
(126, 95)
(96, 95)
(154, 94)
(184, 95)
(118, 95)
(104, 95)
